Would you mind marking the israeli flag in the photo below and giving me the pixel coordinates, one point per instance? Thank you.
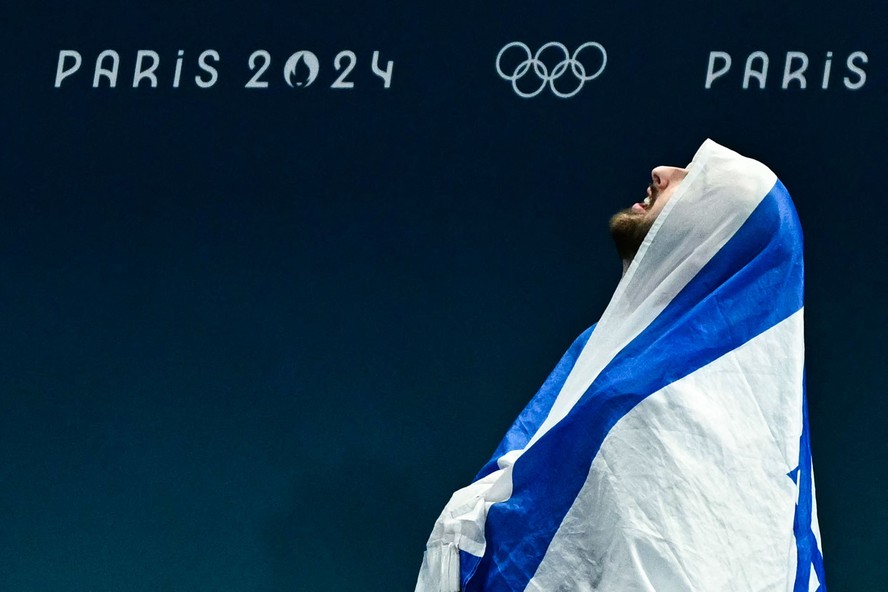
(668, 450)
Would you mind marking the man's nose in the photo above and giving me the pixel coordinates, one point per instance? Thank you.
(662, 176)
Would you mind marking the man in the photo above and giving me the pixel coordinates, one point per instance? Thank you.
(668, 450)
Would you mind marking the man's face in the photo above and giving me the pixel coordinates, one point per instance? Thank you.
(629, 227)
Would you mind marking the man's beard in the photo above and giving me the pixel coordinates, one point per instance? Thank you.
(629, 227)
(628, 230)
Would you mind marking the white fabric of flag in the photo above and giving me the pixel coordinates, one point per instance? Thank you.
(668, 450)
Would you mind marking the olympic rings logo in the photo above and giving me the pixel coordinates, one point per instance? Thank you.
(542, 71)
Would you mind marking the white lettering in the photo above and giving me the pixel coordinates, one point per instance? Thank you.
(139, 74)
(254, 82)
(386, 74)
(862, 57)
(202, 62)
(340, 81)
(711, 73)
(61, 71)
(799, 73)
(760, 75)
(178, 75)
(827, 67)
(100, 70)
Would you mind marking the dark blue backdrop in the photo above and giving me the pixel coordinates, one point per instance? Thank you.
(253, 338)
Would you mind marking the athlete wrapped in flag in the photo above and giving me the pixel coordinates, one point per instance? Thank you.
(668, 450)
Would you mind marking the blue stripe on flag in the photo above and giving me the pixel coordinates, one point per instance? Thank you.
(751, 284)
(536, 411)
(808, 553)
(468, 563)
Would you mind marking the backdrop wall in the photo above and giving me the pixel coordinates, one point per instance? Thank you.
(279, 289)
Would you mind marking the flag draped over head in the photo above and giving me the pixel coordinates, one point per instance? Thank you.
(668, 450)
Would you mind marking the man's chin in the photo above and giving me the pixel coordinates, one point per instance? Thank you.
(628, 229)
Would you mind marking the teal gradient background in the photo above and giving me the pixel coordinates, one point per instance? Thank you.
(252, 339)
